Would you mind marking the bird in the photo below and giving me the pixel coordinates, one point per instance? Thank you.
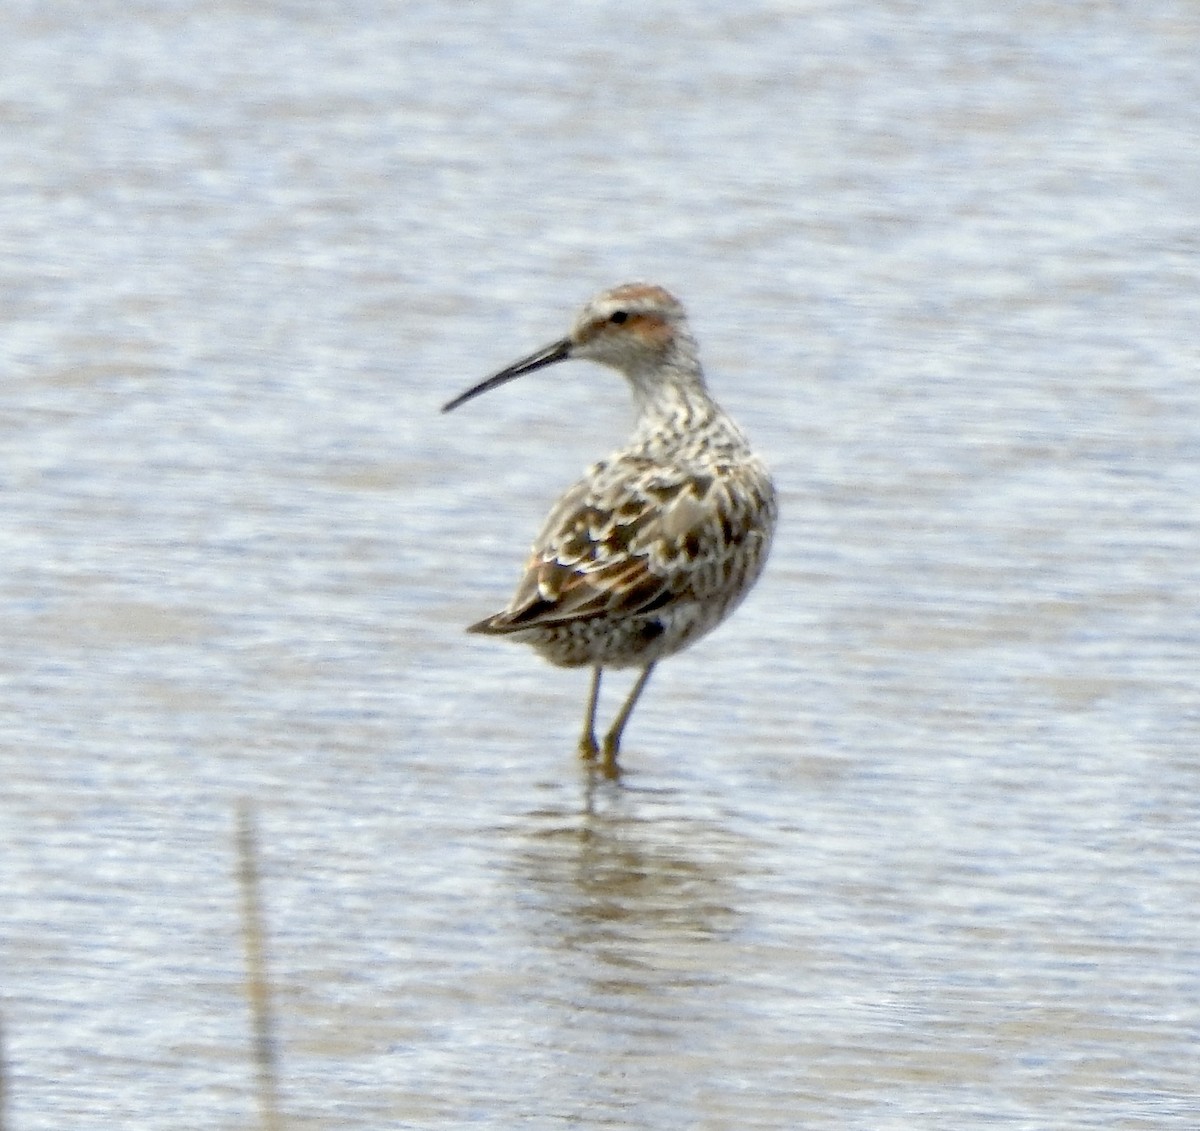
(658, 543)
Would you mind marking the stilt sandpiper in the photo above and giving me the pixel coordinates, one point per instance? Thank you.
(657, 544)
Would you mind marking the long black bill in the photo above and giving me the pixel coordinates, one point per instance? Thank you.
(548, 355)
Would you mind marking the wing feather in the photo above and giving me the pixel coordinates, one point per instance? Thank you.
(633, 537)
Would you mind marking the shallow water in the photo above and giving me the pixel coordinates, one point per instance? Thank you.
(911, 842)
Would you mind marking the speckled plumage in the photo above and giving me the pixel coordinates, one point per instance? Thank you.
(657, 544)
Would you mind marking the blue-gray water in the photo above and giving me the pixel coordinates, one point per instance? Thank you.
(911, 843)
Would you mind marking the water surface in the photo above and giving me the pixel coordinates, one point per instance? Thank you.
(911, 842)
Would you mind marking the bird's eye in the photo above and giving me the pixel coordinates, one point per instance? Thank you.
(618, 316)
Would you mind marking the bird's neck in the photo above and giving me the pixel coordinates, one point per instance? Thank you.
(675, 413)
(671, 386)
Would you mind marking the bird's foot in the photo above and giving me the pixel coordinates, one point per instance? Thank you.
(608, 756)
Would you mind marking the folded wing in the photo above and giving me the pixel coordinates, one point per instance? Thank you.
(633, 537)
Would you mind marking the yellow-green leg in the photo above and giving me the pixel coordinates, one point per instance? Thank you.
(587, 742)
(612, 740)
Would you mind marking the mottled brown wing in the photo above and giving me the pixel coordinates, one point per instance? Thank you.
(633, 537)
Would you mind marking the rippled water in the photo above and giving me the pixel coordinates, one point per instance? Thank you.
(912, 842)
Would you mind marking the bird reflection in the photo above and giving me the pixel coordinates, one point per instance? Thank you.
(632, 875)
